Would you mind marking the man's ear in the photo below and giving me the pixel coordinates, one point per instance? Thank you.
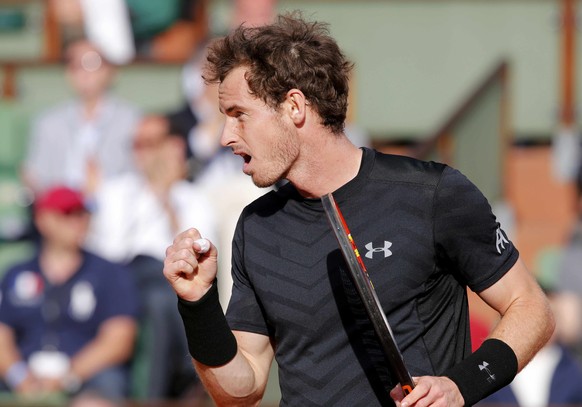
(295, 105)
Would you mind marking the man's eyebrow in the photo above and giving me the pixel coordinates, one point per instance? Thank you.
(230, 109)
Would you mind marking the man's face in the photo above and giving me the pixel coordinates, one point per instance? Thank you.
(266, 139)
(63, 229)
(148, 142)
(89, 74)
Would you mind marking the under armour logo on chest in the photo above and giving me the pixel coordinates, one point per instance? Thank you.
(371, 249)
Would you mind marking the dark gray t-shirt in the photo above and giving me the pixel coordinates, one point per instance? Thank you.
(424, 232)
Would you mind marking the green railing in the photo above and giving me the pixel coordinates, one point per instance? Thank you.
(474, 138)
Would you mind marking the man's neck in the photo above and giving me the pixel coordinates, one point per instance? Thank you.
(326, 165)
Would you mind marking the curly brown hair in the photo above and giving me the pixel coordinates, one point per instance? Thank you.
(290, 53)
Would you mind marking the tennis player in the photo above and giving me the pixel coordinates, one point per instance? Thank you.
(426, 234)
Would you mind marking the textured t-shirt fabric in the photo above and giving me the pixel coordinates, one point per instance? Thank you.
(424, 232)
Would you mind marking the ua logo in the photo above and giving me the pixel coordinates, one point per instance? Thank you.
(371, 249)
(485, 366)
(500, 240)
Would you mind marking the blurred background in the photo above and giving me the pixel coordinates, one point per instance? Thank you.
(488, 86)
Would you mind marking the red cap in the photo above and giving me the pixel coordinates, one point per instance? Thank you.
(60, 199)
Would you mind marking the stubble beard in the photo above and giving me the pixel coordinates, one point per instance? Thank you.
(284, 152)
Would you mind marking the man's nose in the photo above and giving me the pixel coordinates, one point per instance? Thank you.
(227, 136)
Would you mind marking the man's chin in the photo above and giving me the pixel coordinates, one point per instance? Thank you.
(262, 182)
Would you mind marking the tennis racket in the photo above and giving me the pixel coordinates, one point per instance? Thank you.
(367, 294)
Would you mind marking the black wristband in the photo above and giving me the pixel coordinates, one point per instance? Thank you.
(488, 369)
(210, 340)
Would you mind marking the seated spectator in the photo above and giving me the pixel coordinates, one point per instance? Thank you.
(138, 214)
(87, 139)
(67, 317)
(136, 218)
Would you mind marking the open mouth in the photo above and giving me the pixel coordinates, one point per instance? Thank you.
(246, 158)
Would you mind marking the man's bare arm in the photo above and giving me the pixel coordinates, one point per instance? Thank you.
(242, 381)
(527, 322)
(235, 368)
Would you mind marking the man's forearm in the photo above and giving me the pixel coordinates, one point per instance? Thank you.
(527, 321)
(526, 327)
(241, 381)
(233, 384)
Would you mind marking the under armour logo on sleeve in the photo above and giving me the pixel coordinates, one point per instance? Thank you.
(500, 240)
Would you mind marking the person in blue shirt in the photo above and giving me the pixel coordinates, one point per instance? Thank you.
(67, 316)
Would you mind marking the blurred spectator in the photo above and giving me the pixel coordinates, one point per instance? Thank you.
(87, 139)
(569, 277)
(136, 218)
(140, 213)
(553, 377)
(67, 317)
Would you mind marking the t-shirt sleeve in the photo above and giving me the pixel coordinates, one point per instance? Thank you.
(468, 237)
(244, 312)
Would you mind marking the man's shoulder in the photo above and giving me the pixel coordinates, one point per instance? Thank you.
(399, 168)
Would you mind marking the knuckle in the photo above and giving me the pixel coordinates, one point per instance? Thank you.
(169, 250)
(193, 232)
(187, 266)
